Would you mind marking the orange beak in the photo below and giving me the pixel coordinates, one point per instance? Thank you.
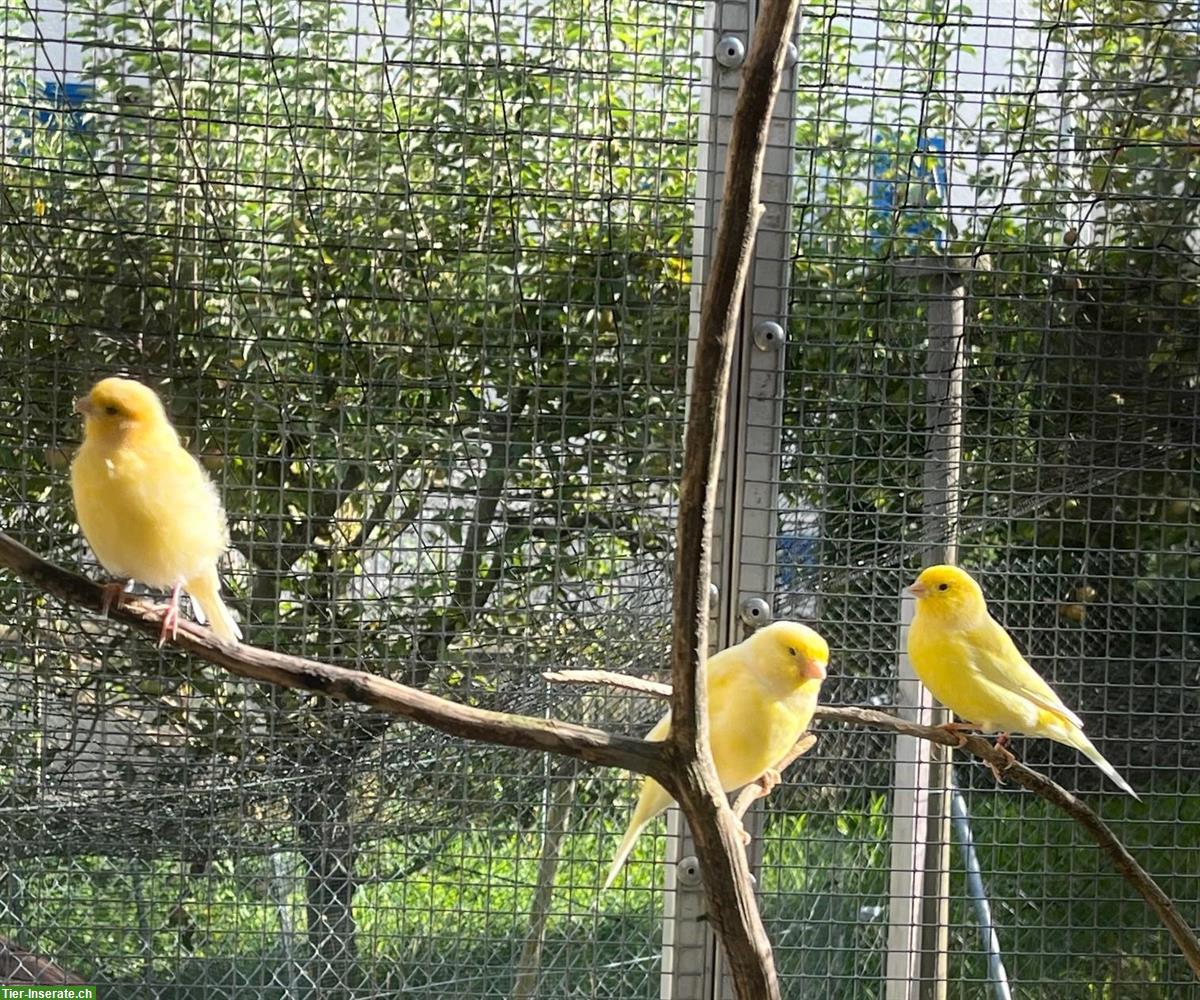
(918, 590)
(85, 406)
(816, 670)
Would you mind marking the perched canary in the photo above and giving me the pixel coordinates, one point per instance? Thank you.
(761, 697)
(971, 665)
(148, 510)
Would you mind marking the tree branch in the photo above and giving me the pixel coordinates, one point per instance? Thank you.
(1036, 782)
(523, 732)
(755, 791)
(726, 874)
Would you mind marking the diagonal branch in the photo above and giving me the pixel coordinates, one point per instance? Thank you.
(1124, 862)
(520, 731)
(697, 789)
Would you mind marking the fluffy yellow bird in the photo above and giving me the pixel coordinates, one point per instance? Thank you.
(146, 507)
(971, 665)
(761, 697)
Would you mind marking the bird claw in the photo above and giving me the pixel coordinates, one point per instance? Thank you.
(170, 617)
(170, 624)
(1010, 758)
(113, 596)
(744, 835)
(768, 780)
(956, 730)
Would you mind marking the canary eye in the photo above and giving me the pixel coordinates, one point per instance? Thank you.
(943, 586)
(111, 410)
(792, 650)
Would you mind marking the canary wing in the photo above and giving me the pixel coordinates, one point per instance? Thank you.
(653, 798)
(749, 729)
(998, 661)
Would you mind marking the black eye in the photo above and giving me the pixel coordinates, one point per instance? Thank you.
(943, 586)
(111, 410)
(792, 650)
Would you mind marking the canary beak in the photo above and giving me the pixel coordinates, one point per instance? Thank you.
(918, 590)
(816, 670)
(84, 406)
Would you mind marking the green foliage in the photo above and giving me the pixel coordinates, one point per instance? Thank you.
(425, 326)
(423, 309)
(1078, 470)
(1069, 926)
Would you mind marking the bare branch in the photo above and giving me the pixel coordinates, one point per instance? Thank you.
(754, 791)
(726, 874)
(654, 689)
(523, 732)
(978, 746)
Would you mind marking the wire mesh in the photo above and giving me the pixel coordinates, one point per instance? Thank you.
(415, 283)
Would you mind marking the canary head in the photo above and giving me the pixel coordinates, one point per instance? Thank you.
(794, 647)
(948, 591)
(117, 405)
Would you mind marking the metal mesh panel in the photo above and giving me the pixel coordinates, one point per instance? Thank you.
(415, 282)
(1045, 138)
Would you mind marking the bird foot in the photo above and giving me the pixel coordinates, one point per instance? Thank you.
(170, 624)
(113, 596)
(768, 780)
(998, 770)
(170, 617)
(956, 729)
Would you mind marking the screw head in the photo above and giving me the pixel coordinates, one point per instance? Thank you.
(688, 871)
(769, 335)
(755, 612)
(731, 52)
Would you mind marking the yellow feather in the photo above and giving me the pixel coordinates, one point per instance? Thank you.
(146, 507)
(973, 667)
(761, 697)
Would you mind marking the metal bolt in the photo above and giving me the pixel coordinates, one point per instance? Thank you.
(714, 596)
(792, 56)
(755, 612)
(688, 871)
(731, 52)
(769, 335)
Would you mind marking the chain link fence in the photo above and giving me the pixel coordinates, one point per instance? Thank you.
(416, 283)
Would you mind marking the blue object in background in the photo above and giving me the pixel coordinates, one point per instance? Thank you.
(792, 554)
(69, 99)
(55, 105)
(997, 975)
(922, 169)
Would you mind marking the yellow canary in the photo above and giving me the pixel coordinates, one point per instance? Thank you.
(148, 510)
(761, 697)
(971, 665)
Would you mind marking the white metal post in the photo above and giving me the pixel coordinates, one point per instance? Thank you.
(744, 535)
(918, 931)
(689, 945)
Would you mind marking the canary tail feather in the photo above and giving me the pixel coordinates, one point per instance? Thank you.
(651, 802)
(205, 592)
(1084, 746)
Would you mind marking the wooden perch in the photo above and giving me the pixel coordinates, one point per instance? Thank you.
(1036, 782)
(521, 731)
(728, 887)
